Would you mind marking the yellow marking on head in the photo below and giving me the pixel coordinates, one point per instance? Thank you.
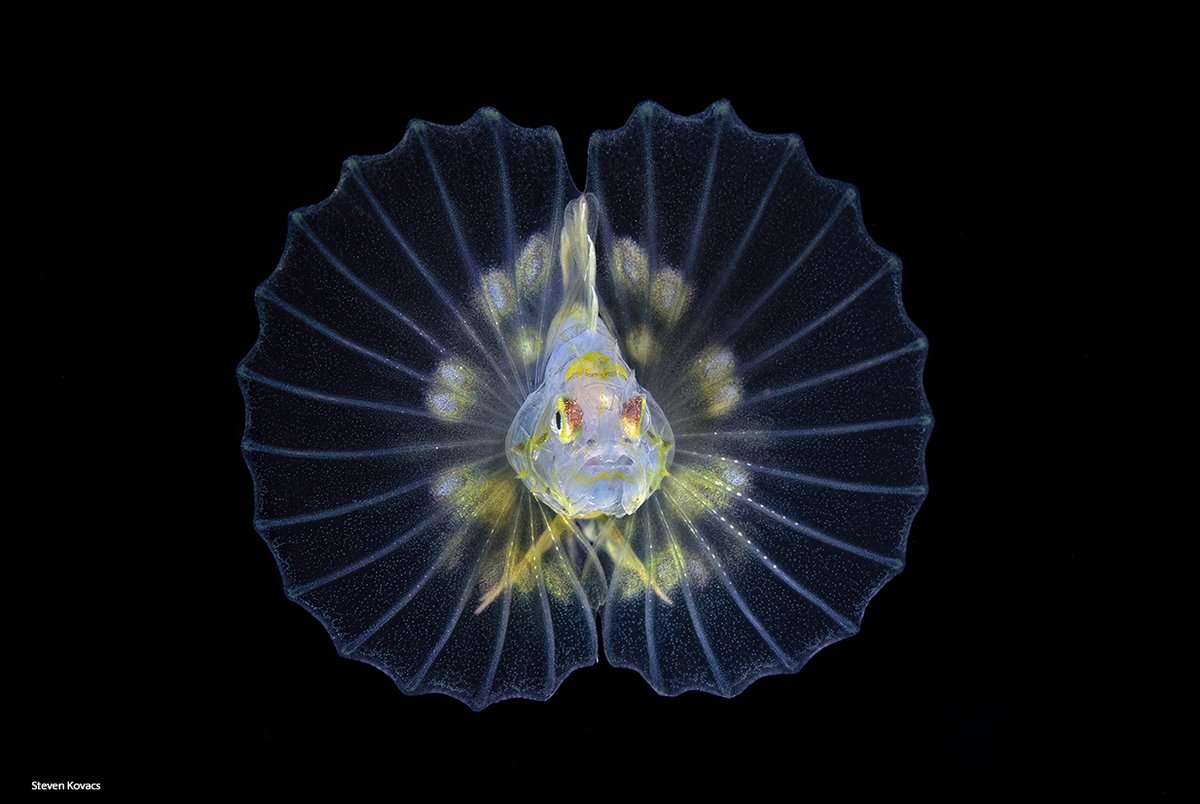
(664, 447)
(527, 450)
(609, 475)
(568, 420)
(596, 364)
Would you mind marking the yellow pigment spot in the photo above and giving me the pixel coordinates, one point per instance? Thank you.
(497, 294)
(487, 497)
(452, 393)
(670, 295)
(630, 264)
(714, 374)
(725, 399)
(665, 569)
(445, 406)
(716, 363)
(735, 476)
(519, 569)
(497, 496)
(631, 576)
(641, 346)
(596, 364)
(527, 345)
(525, 554)
(533, 264)
(453, 375)
(707, 486)
(449, 483)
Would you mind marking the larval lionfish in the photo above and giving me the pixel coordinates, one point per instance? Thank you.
(486, 410)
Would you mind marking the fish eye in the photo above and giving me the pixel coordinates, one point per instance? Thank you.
(568, 419)
(632, 416)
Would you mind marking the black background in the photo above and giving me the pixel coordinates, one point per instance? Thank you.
(161, 646)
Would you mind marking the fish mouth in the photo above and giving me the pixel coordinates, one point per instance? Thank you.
(618, 463)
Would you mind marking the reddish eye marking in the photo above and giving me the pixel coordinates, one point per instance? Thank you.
(574, 415)
(631, 416)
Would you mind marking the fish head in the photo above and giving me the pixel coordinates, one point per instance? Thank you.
(592, 441)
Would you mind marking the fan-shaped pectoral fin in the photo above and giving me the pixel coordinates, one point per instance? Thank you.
(522, 571)
(613, 542)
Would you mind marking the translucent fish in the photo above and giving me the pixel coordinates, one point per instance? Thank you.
(488, 414)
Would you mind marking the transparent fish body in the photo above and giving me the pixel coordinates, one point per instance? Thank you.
(590, 441)
(488, 414)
